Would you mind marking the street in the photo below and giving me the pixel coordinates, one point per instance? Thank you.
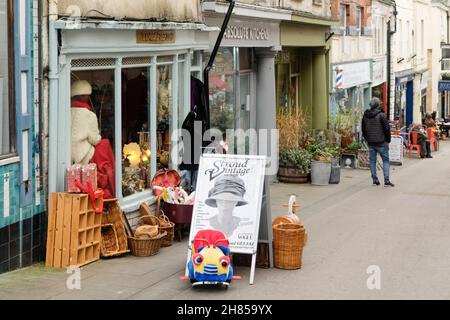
(403, 230)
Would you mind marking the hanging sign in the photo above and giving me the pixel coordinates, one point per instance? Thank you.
(155, 36)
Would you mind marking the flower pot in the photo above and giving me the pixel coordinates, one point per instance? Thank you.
(289, 174)
(320, 173)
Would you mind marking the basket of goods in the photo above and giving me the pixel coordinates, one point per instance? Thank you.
(165, 178)
(291, 217)
(164, 225)
(177, 204)
(109, 244)
(147, 238)
(288, 243)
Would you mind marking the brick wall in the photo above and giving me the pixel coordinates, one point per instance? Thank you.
(366, 5)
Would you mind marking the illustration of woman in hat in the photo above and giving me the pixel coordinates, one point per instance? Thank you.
(227, 194)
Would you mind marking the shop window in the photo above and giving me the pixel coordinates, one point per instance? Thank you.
(221, 89)
(164, 114)
(7, 122)
(136, 148)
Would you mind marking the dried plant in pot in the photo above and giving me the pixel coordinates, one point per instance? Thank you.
(295, 165)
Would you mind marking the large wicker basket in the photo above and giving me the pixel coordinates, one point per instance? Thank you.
(164, 225)
(288, 243)
(109, 244)
(145, 247)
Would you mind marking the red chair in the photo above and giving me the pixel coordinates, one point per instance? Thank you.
(432, 137)
(412, 143)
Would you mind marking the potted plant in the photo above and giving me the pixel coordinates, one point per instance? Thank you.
(295, 161)
(445, 76)
(320, 164)
(295, 165)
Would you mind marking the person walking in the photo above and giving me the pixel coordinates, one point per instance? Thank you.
(377, 133)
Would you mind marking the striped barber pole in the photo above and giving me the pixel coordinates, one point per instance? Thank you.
(339, 78)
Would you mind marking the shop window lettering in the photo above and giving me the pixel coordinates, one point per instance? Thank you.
(246, 33)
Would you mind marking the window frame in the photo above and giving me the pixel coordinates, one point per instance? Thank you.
(11, 82)
(130, 202)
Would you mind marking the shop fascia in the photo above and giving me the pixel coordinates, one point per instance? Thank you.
(348, 75)
(117, 47)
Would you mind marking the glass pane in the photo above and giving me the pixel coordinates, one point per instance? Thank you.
(243, 112)
(183, 108)
(4, 80)
(282, 82)
(164, 115)
(136, 147)
(221, 91)
(162, 59)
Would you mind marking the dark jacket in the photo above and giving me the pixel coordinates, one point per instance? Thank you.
(375, 128)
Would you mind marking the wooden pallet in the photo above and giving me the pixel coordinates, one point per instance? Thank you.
(74, 231)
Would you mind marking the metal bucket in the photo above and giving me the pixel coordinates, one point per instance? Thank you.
(320, 173)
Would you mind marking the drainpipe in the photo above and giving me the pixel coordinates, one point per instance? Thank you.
(390, 34)
(53, 93)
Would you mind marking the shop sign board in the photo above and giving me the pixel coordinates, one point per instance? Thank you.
(354, 74)
(444, 86)
(155, 36)
(379, 72)
(396, 150)
(247, 33)
(229, 198)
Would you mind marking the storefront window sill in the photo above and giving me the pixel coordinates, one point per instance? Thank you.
(10, 160)
(132, 203)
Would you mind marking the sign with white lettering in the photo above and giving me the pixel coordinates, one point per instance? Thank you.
(228, 198)
(247, 33)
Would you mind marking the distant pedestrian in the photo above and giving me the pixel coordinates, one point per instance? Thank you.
(376, 131)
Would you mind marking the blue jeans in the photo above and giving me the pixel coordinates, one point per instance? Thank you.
(384, 153)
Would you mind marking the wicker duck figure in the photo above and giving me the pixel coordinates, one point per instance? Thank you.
(291, 217)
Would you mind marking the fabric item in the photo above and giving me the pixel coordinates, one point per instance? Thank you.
(81, 88)
(375, 128)
(82, 105)
(85, 134)
(384, 153)
(425, 145)
(196, 123)
(227, 188)
(105, 161)
(165, 178)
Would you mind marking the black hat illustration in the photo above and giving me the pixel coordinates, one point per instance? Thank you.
(228, 188)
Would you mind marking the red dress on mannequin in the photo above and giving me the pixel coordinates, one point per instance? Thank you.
(104, 159)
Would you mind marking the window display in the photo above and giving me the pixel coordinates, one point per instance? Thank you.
(164, 115)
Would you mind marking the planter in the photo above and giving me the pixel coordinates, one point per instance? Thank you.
(346, 140)
(320, 173)
(289, 174)
(335, 176)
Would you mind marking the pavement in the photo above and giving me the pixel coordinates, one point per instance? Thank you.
(402, 233)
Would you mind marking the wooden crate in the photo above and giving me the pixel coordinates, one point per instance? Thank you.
(74, 231)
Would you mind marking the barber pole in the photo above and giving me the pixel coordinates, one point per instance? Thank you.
(339, 78)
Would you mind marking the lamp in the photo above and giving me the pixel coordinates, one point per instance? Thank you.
(132, 152)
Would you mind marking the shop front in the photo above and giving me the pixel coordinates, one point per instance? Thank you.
(444, 92)
(423, 93)
(379, 82)
(242, 80)
(404, 97)
(302, 70)
(351, 86)
(140, 75)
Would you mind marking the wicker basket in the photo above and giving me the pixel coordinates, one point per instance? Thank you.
(288, 243)
(109, 243)
(164, 225)
(145, 247)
